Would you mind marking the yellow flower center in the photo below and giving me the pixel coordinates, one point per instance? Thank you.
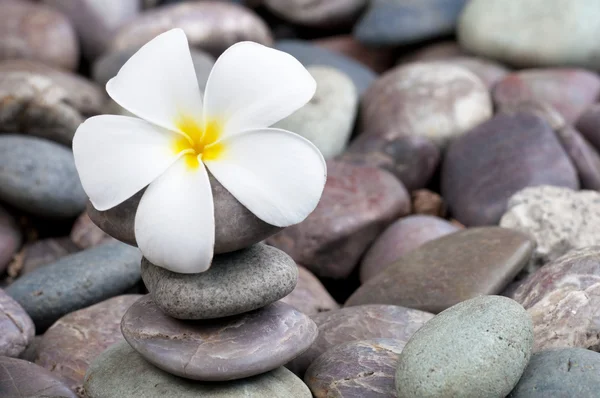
(200, 142)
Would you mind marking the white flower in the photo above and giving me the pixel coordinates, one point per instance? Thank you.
(278, 175)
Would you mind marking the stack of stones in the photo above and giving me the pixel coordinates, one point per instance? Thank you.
(217, 333)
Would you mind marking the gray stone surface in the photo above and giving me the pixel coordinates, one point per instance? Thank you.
(235, 283)
(39, 176)
(16, 327)
(235, 226)
(219, 349)
(76, 281)
(559, 219)
(319, 14)
(310, 296)
(328, 118)
(565, 372)
(478, 348)
(68, 347)
(364, 368)
(19, 378)
(38, 253)
(359, 323)
(122, 372)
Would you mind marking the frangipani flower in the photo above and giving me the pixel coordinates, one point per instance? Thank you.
(278, 175)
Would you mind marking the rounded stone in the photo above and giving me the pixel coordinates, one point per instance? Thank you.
(218, 349)
(377, 59)
(327, 119)
(212, 26)
(20, 378)
(235, 226)
(565, 372)
(69, 346)
(86, 234)
(584, 157)
(358, 202)
(437, 51)
(400, 238)
(569, 91)
(364, 368)
(309, 54)
(16, 327)
(449, 270)
(38, 253)
(38, 100)
(121, 372)
(438, 101)
(488, 71)
(39, 176)
(37, 32)
(395, 23)
(96, 22)
(76, 281)
(310, 296)
(563, 299)
(513, 32)
(478, 348)
(359, 323)
(412, 159)
(589, 125)
(235, 283)
(109, 64)
(10, 238)
(318, 14)
(486, 166)
(558, 219)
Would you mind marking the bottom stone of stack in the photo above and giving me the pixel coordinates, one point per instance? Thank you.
(219, 349)
(121, 372)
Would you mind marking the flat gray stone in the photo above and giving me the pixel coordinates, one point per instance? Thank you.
(39, 176)
(364, 368)
(121, 372)
(16, 327)
(235, 283)
(20, 378)
(478, 348)
(76, 281)
(219, 349)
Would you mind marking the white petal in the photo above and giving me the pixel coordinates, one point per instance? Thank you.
(279, 176)
(116, 156)
(158, 83)
(252, 86)
(174, 223)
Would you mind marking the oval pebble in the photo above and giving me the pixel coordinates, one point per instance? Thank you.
(309, 295)
(16, 327)
(20, 378)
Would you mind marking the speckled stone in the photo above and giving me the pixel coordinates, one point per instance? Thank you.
(401, 22)
(317, 14)
(328, 118)
(235, 283)
(559, 219)
(563, 298)
(486, 166)
(16, 327)
(566, 372)
(359, 323)
(37, 32)
(38, 253)
(38, 100)
(76, 281)
(377, 59)
(400, 238)
(357, 204)
(438, 101)
(589, 125)
(68, 346)
(512, 32)
(448, 270)
(569, 91)
(364, 368)
(413, 159)
(109, 64)
(309, 54)
(19, 378)
(310, 296)
(211, 26)
(121, 372)
(10, 238)
(219, 349)
(86, 234)
(39, 176)
(96, 22)
(235, 226)
(478, 348)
